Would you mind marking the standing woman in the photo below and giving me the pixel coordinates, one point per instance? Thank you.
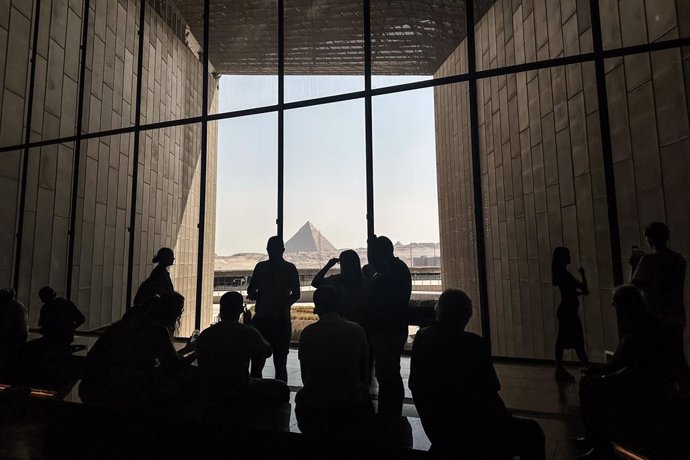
(570, 333)
(349, 284)
(159, 281)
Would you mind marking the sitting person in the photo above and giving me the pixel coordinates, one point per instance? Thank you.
(144, 369)
(225, 351)
(628, 399)
(13, 325)
(455, 389)
(58, 319)
(334, 362)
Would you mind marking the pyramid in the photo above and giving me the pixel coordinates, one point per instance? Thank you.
(308, 239)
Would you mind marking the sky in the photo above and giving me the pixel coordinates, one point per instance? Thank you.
(325, 181)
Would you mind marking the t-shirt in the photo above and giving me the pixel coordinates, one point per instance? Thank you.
(661, 277)
(334, 363)
(274, 282)
(390, 299)
(225, 350)
(453, 379)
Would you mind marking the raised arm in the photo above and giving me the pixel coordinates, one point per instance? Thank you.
(319, 278)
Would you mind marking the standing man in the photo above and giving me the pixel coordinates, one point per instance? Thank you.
(388, 306)
(661, 278)
(275, 287)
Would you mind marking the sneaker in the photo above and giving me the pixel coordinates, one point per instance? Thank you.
(563, 375)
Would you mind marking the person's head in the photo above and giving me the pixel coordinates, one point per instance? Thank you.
(657, 235)
(47, 294)
(350, 266)
(164, 257)
(454, 308)
(7, 295)
(559, 262)
(231, 306)
(383, 250)
(325, 300)
(631, 307)
(168, 310)
(275, 247)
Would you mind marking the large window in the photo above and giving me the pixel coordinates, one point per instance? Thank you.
(470, 133)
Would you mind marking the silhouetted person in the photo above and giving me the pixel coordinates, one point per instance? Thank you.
(387, 322)
(13, 324)
(570, 333)
(225, 351)
(159, 281)
(275, 287)
(334, 366)
(59, 318)
(145, 369)
(350, 285)
(455, 389)
(661, 278)
(626, 399)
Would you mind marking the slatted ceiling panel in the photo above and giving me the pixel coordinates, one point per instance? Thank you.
(324, 37)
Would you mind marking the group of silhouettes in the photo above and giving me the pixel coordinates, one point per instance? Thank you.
(640, 397)
(363, 325)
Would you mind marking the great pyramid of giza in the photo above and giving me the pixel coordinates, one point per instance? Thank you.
(308, 239)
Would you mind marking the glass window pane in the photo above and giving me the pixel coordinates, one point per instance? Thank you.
(410, 41)
(325, 190)
(9, 190)
(406, 199)
(324, 48)
(244, 49)
(509, 32)
(246, 198)
(172, 66)
(637, 22)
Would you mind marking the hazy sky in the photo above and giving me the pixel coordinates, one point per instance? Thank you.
(325, 163)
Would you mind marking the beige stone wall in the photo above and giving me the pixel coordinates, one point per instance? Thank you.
(541, 160)
(169, 169)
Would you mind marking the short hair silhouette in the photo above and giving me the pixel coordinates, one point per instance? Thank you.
(7, 294)
(231, 305)
(658, 232)
(46, 294)
(454, 307)
(384, 246)
(164, 256)
(325, 300)
(275, 246)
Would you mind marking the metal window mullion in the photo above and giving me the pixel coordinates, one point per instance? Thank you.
(25, 154)
(72, 233)
(202, 186)
(135, 153)
(281, 118)
(606, 144)
(477, 177)
(368, 125)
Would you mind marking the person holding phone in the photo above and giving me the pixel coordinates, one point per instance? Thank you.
(661, 278)
(570, 332)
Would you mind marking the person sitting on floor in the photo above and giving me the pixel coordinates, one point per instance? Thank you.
(59, 318)
(628, 399)
(225, 351)
(455, 389)
(334, 363)
(145, 369)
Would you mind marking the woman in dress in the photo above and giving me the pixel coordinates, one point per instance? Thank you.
(570, 333)
(159, 281)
